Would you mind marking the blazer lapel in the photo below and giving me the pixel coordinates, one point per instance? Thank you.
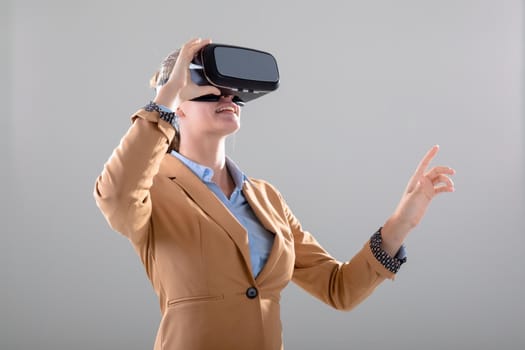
(208, 202)
(262, 209)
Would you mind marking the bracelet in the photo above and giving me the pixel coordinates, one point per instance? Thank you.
(165, 114)
(392, 264)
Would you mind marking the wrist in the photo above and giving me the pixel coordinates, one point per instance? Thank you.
(167, 101)
(165, 113)
(163, 102)
(394, 233)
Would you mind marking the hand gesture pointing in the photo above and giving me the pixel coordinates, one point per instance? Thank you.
(423, 186)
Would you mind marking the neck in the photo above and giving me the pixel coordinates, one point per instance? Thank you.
(210, 152)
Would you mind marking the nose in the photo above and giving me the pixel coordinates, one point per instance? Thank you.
(232, 99)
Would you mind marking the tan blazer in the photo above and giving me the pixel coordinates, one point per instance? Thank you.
(196, 253)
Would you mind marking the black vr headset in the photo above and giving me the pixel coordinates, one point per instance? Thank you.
(244, 73)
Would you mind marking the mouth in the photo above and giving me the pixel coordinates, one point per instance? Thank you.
(227, 109)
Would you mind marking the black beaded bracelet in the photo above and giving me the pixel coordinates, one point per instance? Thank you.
(170, 117)
(392, 264)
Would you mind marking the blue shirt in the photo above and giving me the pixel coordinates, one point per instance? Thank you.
(260, 240)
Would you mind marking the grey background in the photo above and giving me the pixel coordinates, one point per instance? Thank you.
(366, 88)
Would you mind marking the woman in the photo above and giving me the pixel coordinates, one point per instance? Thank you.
(218, 246)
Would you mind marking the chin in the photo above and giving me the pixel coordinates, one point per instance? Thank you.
(234, 130)
(232, 125)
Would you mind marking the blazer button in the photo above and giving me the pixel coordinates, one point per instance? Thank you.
(251, 292)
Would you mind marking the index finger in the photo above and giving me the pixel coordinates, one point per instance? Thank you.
(423, 165)
(189, 50)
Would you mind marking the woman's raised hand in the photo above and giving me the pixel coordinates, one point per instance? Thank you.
(180, 87)
(423, 186)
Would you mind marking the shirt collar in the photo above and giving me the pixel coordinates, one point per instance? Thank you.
(205, 173)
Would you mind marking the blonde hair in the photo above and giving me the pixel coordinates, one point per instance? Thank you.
(162, 75)
(159, 78)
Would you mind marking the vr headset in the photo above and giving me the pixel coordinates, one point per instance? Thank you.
(242, 72)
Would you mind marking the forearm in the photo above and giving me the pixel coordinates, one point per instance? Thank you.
(124, 183)
(341, 285)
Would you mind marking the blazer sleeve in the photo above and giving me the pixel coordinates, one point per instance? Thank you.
(342, 285)
(122, 191)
